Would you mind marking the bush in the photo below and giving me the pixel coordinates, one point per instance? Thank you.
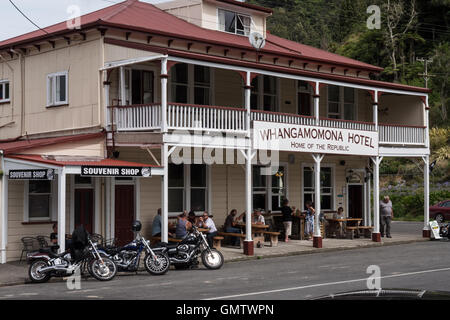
(410, 206)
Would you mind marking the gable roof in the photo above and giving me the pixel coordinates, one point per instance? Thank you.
(134, 15)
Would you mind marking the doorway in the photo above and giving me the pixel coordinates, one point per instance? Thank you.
(124, 213)
(355, 200)
(84, 208)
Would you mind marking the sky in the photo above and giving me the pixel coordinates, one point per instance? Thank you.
(44, 13)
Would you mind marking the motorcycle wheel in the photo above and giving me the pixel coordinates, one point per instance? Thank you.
(158, 267)
(35, 275)
(213, 260)
(103, 272)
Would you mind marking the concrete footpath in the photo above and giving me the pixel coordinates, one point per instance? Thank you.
(14, 273)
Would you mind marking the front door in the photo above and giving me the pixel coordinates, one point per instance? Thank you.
(124, 213)
(355, 201)
(84, 208)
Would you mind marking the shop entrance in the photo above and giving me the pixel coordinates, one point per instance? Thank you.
(355, 201)
(84, 208)
(124, 213)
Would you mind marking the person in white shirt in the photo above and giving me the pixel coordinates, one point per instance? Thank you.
(258, 218)
(208, 223)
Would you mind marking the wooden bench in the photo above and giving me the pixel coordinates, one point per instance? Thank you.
(351, 231)
(217, 242)
(241, 236)
(273, 238)
(366, 230)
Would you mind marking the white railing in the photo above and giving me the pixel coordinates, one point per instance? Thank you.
(206, 118)
(281, 118)
(234, 120)
(401, 135)
(346, 124)
(137, 117)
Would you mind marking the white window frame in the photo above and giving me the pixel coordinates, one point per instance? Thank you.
(237, 14)
(333, 187)
(51, 89)
(187, 189)
(308, 91)
(268, 188)
(53, 203)
(3, 90)
(191, 85)
(260, 93)
(341, 103)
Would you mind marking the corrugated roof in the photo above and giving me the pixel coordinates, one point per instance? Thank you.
(140, 16)
(20, 145)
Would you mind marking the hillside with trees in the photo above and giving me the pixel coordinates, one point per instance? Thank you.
(409, 30)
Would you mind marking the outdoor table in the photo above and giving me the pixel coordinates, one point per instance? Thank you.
(257, 231)
(348, 222)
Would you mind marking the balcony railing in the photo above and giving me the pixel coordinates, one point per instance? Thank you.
(394, 134)
(233, 120)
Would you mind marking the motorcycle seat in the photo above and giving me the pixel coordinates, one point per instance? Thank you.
(51, 253)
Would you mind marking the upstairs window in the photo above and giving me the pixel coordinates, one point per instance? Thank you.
(341, 103)
(264, 93)
(191, 84)
(57, 89)
(4, 91)
(233, 22)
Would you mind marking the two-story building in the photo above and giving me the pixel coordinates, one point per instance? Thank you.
(190, 106)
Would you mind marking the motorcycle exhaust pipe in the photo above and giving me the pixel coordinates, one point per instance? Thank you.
(53, 268)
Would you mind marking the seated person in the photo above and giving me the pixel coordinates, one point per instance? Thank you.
(339, 227)
(258, 218)
(183, 225)
(192, 218)
(230, 226)
(156, 225)
(208, 223)
(54, 234)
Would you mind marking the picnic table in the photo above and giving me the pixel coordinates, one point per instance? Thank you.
(347, 226)
(257, 231)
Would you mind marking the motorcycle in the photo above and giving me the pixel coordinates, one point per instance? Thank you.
(444, 230)
(185, 254)
(45, 263)
(127, 258)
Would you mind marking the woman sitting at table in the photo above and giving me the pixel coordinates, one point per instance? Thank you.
(309, 220)
(340, 215)
(183, 226)
(230, 225)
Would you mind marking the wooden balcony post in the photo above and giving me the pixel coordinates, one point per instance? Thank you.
(165, 194)
(62, 209)
(426, 233)
(376, 236)
(317, 240)
(164, 77)
(123, 95)
(248, 242)
(3, 212)
(317, 103)
(248, 93)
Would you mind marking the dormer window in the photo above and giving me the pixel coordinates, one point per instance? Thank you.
(233, 22)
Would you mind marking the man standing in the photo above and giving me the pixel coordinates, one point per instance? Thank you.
(386, 216)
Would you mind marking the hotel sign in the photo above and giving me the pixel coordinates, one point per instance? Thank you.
(300, 138)
(39, 174)
(100, 171)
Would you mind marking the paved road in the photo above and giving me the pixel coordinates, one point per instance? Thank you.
(417, 266)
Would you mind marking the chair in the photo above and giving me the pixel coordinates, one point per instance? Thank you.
(30, 244)
(43, 243)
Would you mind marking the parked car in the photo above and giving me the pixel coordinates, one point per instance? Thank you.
(440, 211)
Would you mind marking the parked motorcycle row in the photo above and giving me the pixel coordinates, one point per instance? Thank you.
(104, 261)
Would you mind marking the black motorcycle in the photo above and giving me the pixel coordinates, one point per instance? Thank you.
(45, 263)
(128, 257)
(444, 230)
(185, 254)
